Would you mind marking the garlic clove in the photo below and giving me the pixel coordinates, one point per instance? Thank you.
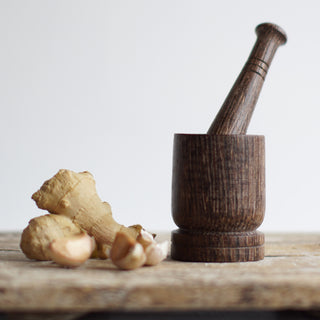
(145, 238)
(126, 253)
(72, 251)
(156, 252)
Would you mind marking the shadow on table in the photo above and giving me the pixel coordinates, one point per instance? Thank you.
(196, 315)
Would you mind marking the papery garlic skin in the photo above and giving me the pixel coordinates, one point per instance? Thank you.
(156, 253)
(126, 253)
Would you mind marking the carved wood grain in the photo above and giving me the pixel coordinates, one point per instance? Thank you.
(218, 196)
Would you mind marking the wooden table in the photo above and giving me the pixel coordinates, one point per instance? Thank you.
(288, 278)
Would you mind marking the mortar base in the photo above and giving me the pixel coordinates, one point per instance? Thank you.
(199, 246)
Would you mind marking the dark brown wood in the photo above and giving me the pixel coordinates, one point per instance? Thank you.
(218, 197)
(235, 113)
(218, 180)
(217, 246)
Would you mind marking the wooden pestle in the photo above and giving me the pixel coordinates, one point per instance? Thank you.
(236, 111)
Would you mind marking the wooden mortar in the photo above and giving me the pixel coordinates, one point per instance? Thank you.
(218, 181)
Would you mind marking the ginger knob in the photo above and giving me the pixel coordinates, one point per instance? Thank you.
(41, 231)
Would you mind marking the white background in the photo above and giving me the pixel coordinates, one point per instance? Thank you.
(103, 86)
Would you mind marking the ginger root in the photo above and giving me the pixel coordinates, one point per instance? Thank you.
(76, 215)
(42, 230)
(74, 195)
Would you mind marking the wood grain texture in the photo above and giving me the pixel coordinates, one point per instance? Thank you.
(217, 246)
(218, 196)
(288, 278)
(235, 113)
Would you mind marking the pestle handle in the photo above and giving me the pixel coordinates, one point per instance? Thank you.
(235, 114)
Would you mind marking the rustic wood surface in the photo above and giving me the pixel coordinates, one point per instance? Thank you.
(288, 278)
(235, 113)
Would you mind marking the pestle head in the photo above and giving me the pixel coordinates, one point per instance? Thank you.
(271, 28)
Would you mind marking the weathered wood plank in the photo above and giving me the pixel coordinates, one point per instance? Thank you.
(288, 278)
